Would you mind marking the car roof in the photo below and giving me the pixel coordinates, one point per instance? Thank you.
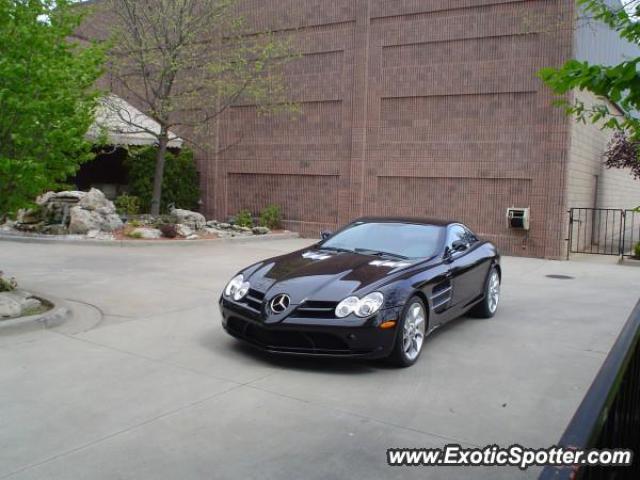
(415, 220)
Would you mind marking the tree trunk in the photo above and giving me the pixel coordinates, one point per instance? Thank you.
(163, 141)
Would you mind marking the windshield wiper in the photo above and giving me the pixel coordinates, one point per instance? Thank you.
(335, 249)
(379, 253)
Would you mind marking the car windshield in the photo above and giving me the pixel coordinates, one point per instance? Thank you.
(404, 240)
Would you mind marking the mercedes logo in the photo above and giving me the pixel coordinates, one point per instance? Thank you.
(280, 303)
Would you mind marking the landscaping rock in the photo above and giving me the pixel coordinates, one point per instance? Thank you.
(29, 216)
(184, 230)
(146, 233)
(194, 220)
(45, 198)
(98, 235)
(8, 226)
(212, 223)
(16, 303)
(260, 230)
(240, 229)
(70, 212)
(225, 226)
(95, 200)
(54, 230)
(70, 195)
(9, 306)
(83, 221)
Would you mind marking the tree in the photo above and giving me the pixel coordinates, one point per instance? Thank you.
(185, 62)
(623, 153)
(619, 83)
(47, 98)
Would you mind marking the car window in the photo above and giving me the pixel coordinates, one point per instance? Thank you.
(404, 239)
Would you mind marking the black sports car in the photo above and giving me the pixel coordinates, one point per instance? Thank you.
(374, 289)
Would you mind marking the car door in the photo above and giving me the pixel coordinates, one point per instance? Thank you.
(461, 266)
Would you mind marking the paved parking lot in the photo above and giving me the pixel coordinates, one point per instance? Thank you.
(143, 383)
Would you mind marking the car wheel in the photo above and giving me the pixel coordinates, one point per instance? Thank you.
(411, 333)
(489, 305)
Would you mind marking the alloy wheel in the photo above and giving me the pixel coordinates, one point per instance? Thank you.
(493, 292)
(414, 331)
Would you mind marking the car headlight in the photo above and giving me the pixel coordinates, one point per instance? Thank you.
(237, 288)
(362, 307)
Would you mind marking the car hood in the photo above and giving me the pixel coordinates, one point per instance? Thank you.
(322, 275)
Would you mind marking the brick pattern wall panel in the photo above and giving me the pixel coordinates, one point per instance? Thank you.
(384, 8)
(481, 203)
(490, 49)
(308, 198)
(262, 15)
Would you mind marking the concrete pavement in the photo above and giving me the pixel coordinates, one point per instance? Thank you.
(143, 383)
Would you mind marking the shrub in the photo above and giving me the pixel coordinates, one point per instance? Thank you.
(180, 185)
(7, 285)
(127, 205)
(244, 219)
(135, 223)
(636, 250)
(134, 234)
(168, 230)
(271, 217)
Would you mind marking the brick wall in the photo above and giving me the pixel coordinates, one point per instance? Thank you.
(408, 107)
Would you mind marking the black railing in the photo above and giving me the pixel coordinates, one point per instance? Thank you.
(603, 231)
(609, 415)
(631, 235)
(596, 231)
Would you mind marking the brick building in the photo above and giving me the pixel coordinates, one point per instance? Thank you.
(423, 108)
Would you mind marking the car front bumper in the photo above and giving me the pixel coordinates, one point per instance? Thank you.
(319, 338)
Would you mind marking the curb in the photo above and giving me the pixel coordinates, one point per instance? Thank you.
(55, 317)
(143, 243)
(629, 262)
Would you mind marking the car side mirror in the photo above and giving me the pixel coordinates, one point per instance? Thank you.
(459, 246)
(324, 235)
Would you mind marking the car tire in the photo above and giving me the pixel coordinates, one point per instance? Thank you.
(412, 327)
(488, 307)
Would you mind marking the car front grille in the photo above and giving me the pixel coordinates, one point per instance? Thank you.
(316, 309)
(254, 300)
(287, 341)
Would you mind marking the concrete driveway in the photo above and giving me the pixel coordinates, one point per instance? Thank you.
(143, 383)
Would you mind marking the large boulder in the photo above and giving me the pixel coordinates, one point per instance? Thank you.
(191, 219)
(16, 303)
(95, 200)
(82, 221)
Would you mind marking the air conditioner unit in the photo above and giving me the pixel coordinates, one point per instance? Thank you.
(518, 218)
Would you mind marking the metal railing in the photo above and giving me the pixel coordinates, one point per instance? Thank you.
(609, 415)
(631, 235)
(603, 231)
